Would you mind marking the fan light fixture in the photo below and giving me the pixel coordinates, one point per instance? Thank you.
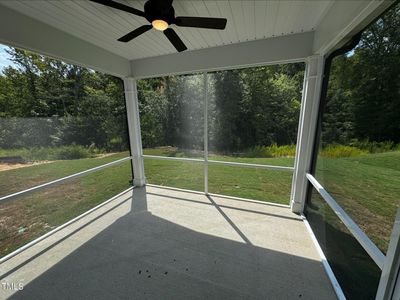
(161, 14)
(160, 25)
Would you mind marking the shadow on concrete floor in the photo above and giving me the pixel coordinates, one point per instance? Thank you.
(142, 256)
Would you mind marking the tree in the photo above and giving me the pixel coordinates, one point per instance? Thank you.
(45, 102)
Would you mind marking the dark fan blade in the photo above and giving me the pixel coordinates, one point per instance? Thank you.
(138, 31)
(211, 23)
(120, 6)
(175, 39)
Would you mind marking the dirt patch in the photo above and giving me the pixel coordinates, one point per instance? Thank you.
(5, 166)
(10, 166)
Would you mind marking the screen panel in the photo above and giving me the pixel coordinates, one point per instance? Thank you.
(56, 119)
(356, 272)
(172, 115)
(32, 215)
(258, 184)
(178, 174)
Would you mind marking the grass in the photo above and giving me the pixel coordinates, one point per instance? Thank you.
(264, 185)
(367, 186)
(35, 214)
(19, 179)
(259, 184)
(31, 216)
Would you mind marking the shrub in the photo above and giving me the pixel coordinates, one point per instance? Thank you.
(374, 147)
(335, 151)
(71, 152)
(282, 151)
(272, 151)
(116, 144)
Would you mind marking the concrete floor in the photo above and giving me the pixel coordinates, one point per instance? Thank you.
(168, 244)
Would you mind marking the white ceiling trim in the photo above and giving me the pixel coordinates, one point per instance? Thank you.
(285, 49)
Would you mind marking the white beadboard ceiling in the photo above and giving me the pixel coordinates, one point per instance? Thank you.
(248, 20)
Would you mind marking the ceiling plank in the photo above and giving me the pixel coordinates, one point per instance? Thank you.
(39, 37)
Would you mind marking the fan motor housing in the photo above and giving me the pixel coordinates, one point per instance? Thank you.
(159, 10)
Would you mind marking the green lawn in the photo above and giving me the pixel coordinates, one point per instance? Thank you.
(366, 186)
(32, 215)
(259, 184)
(12, 181)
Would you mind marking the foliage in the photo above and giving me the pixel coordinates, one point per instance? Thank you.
(364, 88)
(358, 148)
(272, 151)
(341, 151)
(249, 107)
(375, 147)
(47, 103)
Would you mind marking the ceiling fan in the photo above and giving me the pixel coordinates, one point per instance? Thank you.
(161, 14)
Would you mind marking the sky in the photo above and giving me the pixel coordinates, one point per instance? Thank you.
(4, 58)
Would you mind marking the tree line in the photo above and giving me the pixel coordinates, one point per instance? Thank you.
(248, 107)
(363, 100)
(46, 102)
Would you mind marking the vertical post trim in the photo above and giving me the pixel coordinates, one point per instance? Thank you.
(135, 138)
(306, 132)
(205, 81)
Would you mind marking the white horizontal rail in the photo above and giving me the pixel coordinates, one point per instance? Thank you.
(60, 180)
(41, 238)
(227, 163)
(174, 158)
(248, 165)
(362, 238)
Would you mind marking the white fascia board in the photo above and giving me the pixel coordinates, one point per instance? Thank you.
(21, 31)
(284, 49)
(343, 20)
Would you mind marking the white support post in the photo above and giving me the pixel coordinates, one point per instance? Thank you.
(135, 138)
(205, 133)
(306, 132)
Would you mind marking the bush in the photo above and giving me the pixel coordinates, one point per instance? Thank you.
(272, 151)
(71, 152)
(282, 151)
(375, 147)
(116, 144)
(335, 151)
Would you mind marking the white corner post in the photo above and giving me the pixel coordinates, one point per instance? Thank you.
(306, 132)
(135, 137)
(205, 82)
